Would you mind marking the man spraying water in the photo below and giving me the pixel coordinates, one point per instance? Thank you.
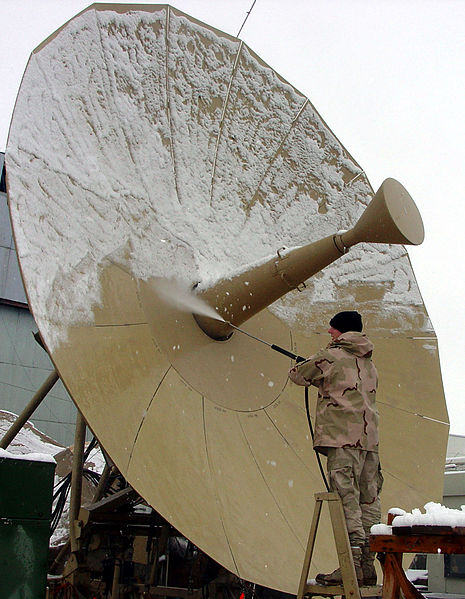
(346, 431)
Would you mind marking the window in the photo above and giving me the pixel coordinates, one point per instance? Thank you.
(454, 566)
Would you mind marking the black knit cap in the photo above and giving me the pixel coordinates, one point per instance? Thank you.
(347, 321)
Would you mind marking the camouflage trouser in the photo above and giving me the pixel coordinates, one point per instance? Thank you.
(356, 476)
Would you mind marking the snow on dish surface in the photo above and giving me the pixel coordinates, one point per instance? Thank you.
(150, 140)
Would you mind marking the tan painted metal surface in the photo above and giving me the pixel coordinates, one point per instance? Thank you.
(210, 433)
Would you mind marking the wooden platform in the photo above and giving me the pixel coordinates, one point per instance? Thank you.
(431, 540)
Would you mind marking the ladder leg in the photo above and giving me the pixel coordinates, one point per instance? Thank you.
(341, 538)
(310, 547)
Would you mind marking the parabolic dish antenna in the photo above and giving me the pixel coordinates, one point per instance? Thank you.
(147, 146)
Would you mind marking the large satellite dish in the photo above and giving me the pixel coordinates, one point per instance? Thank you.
(147, 146)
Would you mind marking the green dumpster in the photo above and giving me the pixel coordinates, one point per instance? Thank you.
(26, 489)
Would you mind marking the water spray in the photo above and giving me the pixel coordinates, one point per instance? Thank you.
(179, 295)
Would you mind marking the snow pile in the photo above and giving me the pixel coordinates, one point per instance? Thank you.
(396, 511)
(381, 529)
(435, 515)
(29, 440)
(33, 457)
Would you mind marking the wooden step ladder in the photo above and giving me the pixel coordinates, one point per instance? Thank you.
(349, 587)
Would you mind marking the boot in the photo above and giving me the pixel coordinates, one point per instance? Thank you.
(335, 578)
(368, 567)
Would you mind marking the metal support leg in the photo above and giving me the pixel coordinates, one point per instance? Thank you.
(344, 553)
(76, 479)
(29, 410)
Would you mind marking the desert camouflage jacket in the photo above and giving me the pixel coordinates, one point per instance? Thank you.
(346, 413)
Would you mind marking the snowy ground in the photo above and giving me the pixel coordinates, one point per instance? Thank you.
(29, 439)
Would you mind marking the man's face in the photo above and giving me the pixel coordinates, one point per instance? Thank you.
(334, 333)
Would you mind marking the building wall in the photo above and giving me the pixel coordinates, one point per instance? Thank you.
(24, 366)
(454, 497)
(456, 446)
(11, 285)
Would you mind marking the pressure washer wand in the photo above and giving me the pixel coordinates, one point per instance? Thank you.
(281, 350)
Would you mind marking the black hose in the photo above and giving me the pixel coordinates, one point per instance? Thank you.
(309, 420)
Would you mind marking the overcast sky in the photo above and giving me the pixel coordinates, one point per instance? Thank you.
(388, 77)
